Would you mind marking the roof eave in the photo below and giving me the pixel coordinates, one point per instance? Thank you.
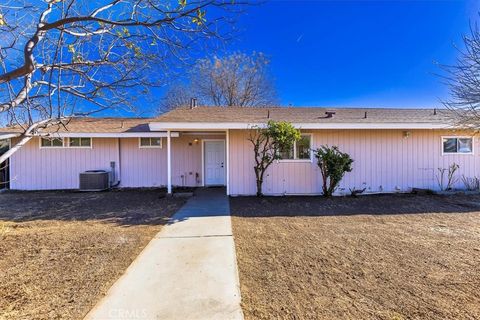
(4, 136)
(157, 134)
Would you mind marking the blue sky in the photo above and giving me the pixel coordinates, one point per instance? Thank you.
(357, 53)
(351, 53)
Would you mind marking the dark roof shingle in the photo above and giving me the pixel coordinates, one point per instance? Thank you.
(93, 125)
(304, 115)
(251, 115)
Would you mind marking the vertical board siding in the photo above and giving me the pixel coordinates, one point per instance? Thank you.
(142, 167)
(242, 177)
(33, 168)
(384, 161)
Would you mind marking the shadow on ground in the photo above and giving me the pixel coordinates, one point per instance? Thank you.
(123, 207)
(386, 204)
(151, 207)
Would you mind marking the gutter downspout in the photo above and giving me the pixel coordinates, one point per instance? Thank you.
(119, 148)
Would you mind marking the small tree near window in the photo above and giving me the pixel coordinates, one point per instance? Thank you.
(267, 142)
(333, 165)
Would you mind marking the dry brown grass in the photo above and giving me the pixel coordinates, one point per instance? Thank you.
(60, 252)
(346, 258)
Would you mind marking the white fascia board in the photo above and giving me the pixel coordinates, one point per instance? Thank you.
(111, 135)
(205, 126)
(157, 126)
(9, 135)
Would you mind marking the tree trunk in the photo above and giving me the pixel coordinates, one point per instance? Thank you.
(14, 149)
(259, 188)
(331, 188)
(259, 179)
(324, 180)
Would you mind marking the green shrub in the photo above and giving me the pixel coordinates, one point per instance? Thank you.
(333, 165)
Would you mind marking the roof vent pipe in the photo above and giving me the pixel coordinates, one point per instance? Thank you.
(435, 111)
(365, 117)
(193, 103)
(329, 114)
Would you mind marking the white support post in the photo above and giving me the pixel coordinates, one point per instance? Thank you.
(169, 162)
(227, 156)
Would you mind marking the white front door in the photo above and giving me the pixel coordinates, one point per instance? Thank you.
(214, 163)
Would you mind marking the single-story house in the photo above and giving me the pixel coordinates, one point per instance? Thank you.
(394, 150)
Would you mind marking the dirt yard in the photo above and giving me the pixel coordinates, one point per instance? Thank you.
(61, 251)
(372, 257)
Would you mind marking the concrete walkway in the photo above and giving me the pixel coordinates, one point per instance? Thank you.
(188, 271)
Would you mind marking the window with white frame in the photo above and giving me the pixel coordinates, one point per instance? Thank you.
(452, 145)
(301, 149)
(51, 142)
(150, 142)
(80, 142)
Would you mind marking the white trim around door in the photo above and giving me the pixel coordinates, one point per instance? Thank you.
(227, 159)
(204, 164)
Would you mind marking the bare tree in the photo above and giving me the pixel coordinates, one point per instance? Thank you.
(60, 58)
(177, 95)
(235, 80)
(463, 79)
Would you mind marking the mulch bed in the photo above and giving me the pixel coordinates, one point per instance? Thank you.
(61, 251)
(371, 257)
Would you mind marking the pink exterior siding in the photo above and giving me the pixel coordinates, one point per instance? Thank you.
(142, 167)
(187, 158)
(385, 161)
(33, 168)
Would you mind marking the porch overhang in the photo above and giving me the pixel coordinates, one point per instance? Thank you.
(225, 135)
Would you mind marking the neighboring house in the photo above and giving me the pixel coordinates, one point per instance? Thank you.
(394, 150)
